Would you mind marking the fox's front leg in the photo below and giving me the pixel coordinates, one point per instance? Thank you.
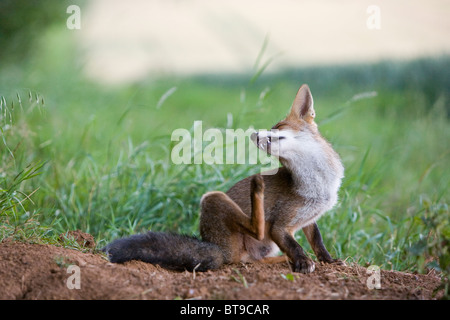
(315, 240)
(287, 243)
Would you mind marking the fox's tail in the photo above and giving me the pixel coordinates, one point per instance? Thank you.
(170, 251)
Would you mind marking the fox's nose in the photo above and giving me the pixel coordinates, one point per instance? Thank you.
(254, 137)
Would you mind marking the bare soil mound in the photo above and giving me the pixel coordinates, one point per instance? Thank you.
(35, 271)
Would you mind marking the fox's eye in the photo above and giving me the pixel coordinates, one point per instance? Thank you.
(275, 138)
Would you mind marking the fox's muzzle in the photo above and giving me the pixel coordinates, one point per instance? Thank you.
(262, 142)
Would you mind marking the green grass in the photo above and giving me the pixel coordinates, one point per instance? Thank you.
(76, 155)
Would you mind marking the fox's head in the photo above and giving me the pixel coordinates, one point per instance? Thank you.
(296, 140)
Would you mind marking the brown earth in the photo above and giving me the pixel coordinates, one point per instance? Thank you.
(36, 271)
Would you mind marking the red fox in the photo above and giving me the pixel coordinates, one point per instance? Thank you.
(260, 214)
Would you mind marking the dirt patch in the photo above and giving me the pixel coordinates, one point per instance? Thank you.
(34, 271)
(83, 239)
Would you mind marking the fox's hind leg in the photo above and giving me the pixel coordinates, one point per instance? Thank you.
(224, 223)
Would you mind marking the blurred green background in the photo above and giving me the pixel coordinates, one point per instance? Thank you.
(78, 153)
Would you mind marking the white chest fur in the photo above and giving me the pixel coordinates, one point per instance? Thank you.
(317, 176)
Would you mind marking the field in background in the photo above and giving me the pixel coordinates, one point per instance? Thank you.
(75, 155)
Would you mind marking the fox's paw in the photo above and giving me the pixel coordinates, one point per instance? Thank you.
(330, 260)
(304, 265)
(337, 262)
(258, 184)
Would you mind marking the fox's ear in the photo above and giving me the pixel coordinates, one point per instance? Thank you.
(303, 105)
